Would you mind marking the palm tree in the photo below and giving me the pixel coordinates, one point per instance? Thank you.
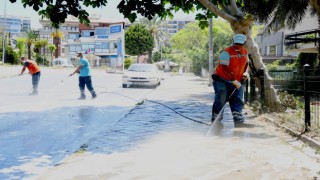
(52, 48)
(157, 28)
(31, 37)
(44, 44)
(57, 36)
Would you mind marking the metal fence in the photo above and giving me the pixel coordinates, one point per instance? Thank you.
(303, 83)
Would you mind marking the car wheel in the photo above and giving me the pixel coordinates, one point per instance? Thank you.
(124, 85)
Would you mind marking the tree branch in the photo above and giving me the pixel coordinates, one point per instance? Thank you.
(235, 8)
(217, 11)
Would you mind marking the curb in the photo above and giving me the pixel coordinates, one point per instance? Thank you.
(306, 139)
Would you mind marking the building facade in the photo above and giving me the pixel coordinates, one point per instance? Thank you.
(15, 25)
(272, 46)
(174, 25)
(102, 42)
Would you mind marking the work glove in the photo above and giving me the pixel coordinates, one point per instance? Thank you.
(236, 83)
(245, 76)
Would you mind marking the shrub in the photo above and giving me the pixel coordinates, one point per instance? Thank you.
(127, 63)
(11, 56)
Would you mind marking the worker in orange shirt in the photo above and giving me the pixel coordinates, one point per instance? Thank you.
(35, 72)
(232, 68)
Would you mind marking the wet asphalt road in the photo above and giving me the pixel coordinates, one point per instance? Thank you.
(39, 131)
(40, 135)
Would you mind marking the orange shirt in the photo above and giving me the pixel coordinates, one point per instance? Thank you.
(233, 67)
(32, 66)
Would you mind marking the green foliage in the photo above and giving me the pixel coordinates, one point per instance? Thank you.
(189, 37)
(307, 58)
(156, 27)
(156, 56)
(51, 48)
(41, 60)
(277, 13)
(310, 36)
(274, 65)
(199, 60)
(21, 45)
(127, 63)
(138, 40)
(30, 39)
(291, 66)
(192, 43)
(11, 56)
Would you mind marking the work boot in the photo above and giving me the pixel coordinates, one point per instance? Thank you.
(94, 95)
(216, 117)
(34, 93)
(82, 96)
(238, 118)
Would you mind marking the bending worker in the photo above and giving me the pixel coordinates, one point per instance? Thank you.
(231, 69)
(34, 70)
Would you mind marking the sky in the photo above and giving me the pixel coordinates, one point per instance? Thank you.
(110, 11)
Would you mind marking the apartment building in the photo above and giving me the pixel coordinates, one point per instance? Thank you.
(15, 25)
(273, 46)
(102, 40)
(174, 25)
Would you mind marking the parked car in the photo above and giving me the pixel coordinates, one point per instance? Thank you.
(142, 75)
(63, 62)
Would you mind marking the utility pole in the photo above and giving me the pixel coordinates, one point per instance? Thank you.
(160, 50)
(210, 52)
(4, 32)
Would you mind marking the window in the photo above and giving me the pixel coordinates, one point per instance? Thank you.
(73, 36)
(273, 50)
(105, 45)
(86, 33)
(64, 28)
(72, 48)
(91, 46)
(101, 31)
(85, 46)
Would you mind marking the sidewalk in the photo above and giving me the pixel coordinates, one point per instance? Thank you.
(165, 138)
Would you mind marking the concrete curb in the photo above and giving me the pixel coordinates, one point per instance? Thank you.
(306, 139)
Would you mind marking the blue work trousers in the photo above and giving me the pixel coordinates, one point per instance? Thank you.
(222, 92)
(85, 81)
(35, 81)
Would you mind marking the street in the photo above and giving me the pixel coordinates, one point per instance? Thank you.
(136, 133)
(54, 124)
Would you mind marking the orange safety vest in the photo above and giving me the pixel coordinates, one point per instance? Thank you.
(33, 67)
(237, 64)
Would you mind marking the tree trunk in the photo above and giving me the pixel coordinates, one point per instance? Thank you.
(29, 51)
(318, 15)
(150, 56)
(56, 42)
(271, 99)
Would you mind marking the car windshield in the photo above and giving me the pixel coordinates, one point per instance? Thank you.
(143, 68)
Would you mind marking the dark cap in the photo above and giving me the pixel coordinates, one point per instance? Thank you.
(79, 54)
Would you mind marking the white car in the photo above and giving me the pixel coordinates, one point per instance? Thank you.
(141, 75)
(63, 62)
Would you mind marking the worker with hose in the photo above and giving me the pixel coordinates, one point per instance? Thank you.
(34, 70)
(229, 73)
(84, 71)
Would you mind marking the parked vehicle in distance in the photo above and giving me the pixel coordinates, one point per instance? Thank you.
(63, 62)
(142, 75)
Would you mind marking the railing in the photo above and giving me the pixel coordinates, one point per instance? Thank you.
(304, 82)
